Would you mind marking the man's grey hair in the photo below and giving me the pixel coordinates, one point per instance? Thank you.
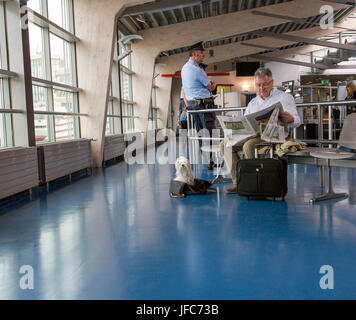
(262, 72)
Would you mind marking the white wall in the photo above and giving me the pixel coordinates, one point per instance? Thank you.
(286, 72)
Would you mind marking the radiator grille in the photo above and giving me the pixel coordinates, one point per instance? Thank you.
(59, 159)
(18, 170)
(114, 146)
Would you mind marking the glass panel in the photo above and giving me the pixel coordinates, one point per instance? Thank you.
(126, 62)
(37, 52)
(2, 131)
(35, 5)
(109, 122)
(64, 127)
(41, 128)
(2, 102)
(108, 127)
(2, 38)
(150, 125)
(154, 116)
(154, 102)
(64, 101)
(126, 92)
(58, 13)
(61, 60)
(40, 101)
(117, 125)
(110, 108)
(116, 108)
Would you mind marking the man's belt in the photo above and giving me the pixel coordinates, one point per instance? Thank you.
(200, 101)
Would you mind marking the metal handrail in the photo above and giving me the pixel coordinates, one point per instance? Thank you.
(327, 103)
(320, 119)
(216, 110)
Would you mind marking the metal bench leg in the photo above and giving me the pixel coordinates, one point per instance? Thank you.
(219, 178)
(322, 176)
(330, 194)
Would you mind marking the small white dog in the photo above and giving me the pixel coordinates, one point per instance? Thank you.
(184, 171)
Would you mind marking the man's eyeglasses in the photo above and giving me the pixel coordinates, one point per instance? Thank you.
(264, 85)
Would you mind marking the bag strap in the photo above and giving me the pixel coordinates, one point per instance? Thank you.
(195, 192)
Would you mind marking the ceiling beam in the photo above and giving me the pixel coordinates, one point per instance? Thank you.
(229, 6)
(274, 50)
(291, 38)
(289, 18)
(153, 19)
(258, 46)
(175, 18)
(183, 14)
(201, 11)
(164, 18)
(160, 6)
(242, 22)
(300, 63)
(129, 25)
(123, 28)
(287, 61)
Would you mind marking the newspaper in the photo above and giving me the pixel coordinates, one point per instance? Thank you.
(237, 129)
(265, 123)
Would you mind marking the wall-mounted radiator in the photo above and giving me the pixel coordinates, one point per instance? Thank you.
(114, 146)
(60, 159)
(18, 170)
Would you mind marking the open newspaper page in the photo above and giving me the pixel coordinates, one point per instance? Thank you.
(267, 123)
(237, 129)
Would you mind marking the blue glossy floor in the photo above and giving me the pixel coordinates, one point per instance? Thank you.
(118, 235)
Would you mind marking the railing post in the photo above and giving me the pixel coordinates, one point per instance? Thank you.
(330, 125)
(320, 123)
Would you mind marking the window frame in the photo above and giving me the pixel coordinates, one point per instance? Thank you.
(49, 29)
(5, 86)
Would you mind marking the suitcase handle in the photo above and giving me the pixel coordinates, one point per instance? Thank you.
(264, 144)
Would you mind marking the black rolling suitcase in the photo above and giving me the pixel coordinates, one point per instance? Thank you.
(262, 178)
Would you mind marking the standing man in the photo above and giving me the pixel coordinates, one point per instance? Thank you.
(266, 96)
(198, 87)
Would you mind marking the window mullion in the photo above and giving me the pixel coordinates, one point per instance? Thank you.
(44, 8)
(48, 75)
(3, 40)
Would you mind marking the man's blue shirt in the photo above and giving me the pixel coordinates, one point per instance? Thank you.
(194, 80)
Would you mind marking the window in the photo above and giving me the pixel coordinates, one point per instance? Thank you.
(55, 91)
(5, 117)
(120, 116)
(35, 5)
(126, 96)
(113, 123)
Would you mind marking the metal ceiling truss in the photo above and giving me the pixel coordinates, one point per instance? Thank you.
(299, 63)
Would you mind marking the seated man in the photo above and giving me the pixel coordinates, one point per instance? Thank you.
(266, 96)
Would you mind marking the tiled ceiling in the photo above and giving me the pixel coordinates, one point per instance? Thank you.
(167, 12)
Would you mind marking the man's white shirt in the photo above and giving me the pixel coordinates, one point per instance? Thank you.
(286, 99)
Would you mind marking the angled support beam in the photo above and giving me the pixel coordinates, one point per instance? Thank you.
(300, 63)
(291, 38)
(281, 60)
(123, 28)
(289, 18)
(273, 49)
(160, 6)
(258, 46)
(129, 25)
